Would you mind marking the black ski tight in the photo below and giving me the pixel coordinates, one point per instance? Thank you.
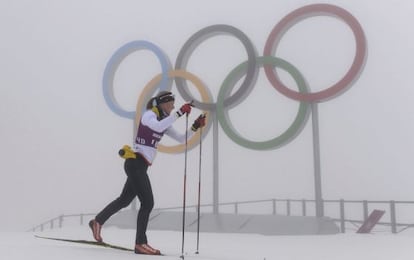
(137, 184)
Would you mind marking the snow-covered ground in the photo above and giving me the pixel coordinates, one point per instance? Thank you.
(377, 246)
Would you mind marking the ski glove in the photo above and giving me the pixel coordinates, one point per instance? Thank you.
(185, 109)
(199, 122)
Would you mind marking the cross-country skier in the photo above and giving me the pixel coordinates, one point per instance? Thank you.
(156, 121)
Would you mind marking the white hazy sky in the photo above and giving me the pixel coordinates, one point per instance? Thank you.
(59, 140)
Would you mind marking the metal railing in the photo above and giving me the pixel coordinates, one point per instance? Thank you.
(394, 220)
(58, 221)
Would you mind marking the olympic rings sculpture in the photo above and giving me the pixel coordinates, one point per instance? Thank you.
(249, 69)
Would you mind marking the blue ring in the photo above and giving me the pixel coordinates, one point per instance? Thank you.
(115, 61)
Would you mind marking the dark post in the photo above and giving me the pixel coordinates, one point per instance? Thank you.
(317, 161)
(304, 207)
(342, 213)
(365, 208)
(393, 217)
(60, 221)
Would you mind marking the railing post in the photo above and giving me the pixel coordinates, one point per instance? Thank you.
(51, 224)
(60, 221)
(342, 214)
(41, 227)
(303, 207)
(81, 219)
(365, 208)
(393, 217)
(274, 206)
(236, 208)
(288, 207)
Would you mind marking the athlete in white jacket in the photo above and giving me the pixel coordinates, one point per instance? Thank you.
(156, 121)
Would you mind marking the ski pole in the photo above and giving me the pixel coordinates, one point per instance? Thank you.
(185, 184)
(199, 193)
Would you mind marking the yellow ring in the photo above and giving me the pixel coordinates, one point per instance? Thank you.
(147, 93)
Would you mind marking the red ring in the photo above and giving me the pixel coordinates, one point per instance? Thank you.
(298, 15)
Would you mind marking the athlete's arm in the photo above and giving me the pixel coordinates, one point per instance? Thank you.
(149, 119)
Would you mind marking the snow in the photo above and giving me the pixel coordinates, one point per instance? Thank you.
(213, 246)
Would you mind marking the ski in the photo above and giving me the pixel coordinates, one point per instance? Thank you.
(107, 245)
(87, 242)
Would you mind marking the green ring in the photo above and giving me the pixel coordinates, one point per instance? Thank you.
(287, 136)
